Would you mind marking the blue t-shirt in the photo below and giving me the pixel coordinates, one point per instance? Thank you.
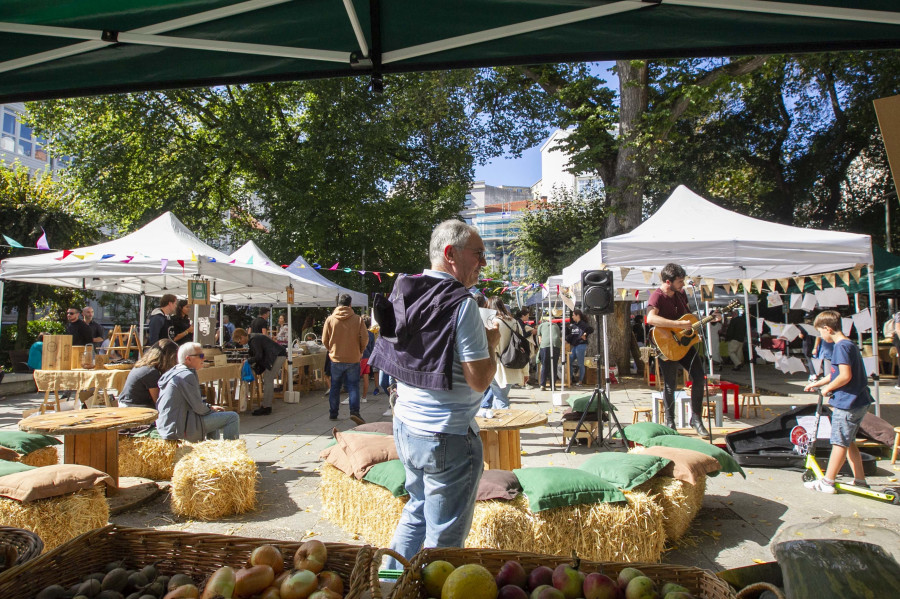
(854, 394)
(826, 350)
(451, 411)
(35, 355)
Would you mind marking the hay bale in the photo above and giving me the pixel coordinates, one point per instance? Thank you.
(214, 479)
(58, 520)
(360, 507)
(680, 502)
(505, 525)
(147, 457)
(45, 456)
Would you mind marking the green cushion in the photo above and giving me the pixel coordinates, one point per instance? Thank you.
(579, 403)
(23, 443)
(728, 463)
(391, 475)
(150, 433)
(548, 488)
(13, 467)
(625, 470)
(644, 431)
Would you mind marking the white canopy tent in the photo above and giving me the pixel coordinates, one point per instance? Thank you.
(716, 244)
(302, 270)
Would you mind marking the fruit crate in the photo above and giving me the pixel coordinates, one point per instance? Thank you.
(195, 554)
(701, 583)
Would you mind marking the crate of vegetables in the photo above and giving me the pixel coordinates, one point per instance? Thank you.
(134, 563)
(489, 574)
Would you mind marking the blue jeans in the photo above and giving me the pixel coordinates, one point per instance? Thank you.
(225, 425)
(576, 358)
(341, 373)
(496, 397)
(442, 474)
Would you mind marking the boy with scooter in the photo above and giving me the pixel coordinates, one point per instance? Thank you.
(847, 387)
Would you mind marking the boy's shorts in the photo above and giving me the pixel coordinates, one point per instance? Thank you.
(845, 424)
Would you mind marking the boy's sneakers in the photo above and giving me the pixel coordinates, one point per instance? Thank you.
(345, 402)
(362, 399)
(821, 486)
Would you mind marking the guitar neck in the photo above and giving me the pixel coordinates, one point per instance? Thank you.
(696, 326)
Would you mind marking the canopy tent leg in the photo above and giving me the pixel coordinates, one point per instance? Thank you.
(221, 324)
(141, 316)
(290, 353)
(871, 268)
(708, 337)
(749, 341)
(563, 354)
(859, 339)
(194, 323)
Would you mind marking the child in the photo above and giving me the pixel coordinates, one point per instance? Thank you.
(848, 389)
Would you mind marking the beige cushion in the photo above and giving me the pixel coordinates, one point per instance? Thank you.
(336, 456)
(365, 450)
(51, 481)
(687, 465)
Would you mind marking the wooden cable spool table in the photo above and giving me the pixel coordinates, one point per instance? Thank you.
(90, 437)
(500, 437)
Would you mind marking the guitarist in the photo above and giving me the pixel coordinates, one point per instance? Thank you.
(667, 304)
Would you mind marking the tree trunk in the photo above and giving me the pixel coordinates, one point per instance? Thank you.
(22, 323)
(619, 335)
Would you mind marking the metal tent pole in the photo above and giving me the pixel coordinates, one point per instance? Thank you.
(2, 282)
(142, 317)
(874, 338)
(221, 324)
(749, 340)
(194, 323)
(709, 338)
(290, 353)
(859, 339)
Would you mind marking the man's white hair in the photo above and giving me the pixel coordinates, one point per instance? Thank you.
(188, 349)
(450, 232)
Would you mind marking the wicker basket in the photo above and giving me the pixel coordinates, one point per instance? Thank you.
(701, 583)
(198, 555)
(27, 544)
(118, 366)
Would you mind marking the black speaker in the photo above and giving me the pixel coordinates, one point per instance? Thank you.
(597, 292)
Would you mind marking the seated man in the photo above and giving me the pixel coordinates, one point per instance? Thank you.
(183, 414)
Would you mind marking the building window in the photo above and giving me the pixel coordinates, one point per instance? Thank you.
(587, 184)
(8, 140)
(25, 145)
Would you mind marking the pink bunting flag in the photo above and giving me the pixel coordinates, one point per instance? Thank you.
(284, 265)
(335, 267)
(42, 241)
(164, 263)
(127, 259)
(66, 254)
(181, 263)
(377, 274)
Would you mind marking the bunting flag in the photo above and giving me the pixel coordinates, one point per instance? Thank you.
(773, 285)
(213, 260)
(647, 275)
(800, 282)
(347, 269)
(817, 279)
(784, 284)
(637, 293)
(390, 274)
(624, 271)
(181, 264)
(250, 261)
(831, 278)
(843, 277)
(164, 264)
(335, 266)
(733, 285)
(42, 241)
(194, 257)
(316, 265)
(696, 281)
(623, 293)
(80, 256)
(12, 242)
(856, 273)
(748, 285)
(710, 285)
(284, 265)
(127, 259)
(378, 275)
(66, 254)
(362, 272)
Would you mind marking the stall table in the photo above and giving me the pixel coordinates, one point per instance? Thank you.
(53, 380)
(725, 387)
(500, 437)
(302, 379)
(223, 375)
(90, 437)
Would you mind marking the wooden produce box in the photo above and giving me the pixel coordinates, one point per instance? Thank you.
(57, 352)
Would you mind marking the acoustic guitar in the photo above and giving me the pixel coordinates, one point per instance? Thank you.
(673, 344)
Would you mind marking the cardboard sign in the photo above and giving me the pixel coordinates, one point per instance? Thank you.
(198, 292)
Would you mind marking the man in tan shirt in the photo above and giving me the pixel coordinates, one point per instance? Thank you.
(345, 337)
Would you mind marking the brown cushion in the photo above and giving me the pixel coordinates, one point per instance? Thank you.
(365, 450)
(336, 456)
(8, 454)
(498, 484)
(571, 414)
(877, 429)
(687, 465)
(385, 428)
(51, 481)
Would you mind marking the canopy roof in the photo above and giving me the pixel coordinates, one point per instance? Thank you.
(147, 261)
(311, 290)
(714, 243)
(52, 49)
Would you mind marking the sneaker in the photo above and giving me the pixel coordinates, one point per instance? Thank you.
(333, 418)
(812, 378)
(862, 484)
(388, 412)
(357, 419)
(345, 402)
(896, 386)
(820, 486)
(261, 411)
(363, 399)
(375, 392)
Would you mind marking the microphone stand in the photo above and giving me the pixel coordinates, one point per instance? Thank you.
(703, 337)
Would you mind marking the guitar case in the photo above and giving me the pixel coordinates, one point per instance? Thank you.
(769, 445)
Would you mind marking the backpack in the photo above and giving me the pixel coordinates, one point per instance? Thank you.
(518, 353)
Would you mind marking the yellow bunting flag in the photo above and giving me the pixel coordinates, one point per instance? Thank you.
(748, 285)
(817, 279)
(773, 285)
(800, 282)
(784, 284)
(709, 284)
(623, 293)
(856, 273)
(830, 277)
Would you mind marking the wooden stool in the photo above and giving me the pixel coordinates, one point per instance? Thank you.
(896, 444)
(750, 401)
(707, 404)
(588, 430)
(638, 412)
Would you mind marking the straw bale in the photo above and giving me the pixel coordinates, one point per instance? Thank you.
(360, 507)
(58, 520)
(147, 457)
(214, 479)
(505, 525)
(45, 456)
(680, 502)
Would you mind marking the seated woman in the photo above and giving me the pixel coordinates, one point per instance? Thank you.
(183, 414)
(36, 352)
(141, 388)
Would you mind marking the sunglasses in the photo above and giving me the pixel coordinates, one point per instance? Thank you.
(71, 313)
(199, 355)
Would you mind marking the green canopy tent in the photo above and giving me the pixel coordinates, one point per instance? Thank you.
(52, 49)
(887, 273)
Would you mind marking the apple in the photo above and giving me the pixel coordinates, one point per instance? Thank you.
(599, 586)
(311, 556)
(542, 575)
(671, 587)
(568, 580)
(325, 594)
(268, 555)
(546, 591)
(626, 575)
(512, 591)
(299, 585)
(513, 573)
(682, 595)
(641, 587)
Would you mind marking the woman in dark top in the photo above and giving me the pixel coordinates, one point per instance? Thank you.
(181, 323)
(141, 388)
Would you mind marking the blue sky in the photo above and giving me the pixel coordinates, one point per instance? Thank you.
(525, 171)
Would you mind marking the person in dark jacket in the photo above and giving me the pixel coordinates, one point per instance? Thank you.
(80, 331)
(579, 329)
(160, 324)
(182, 329)
(266, 358)
(260, 324)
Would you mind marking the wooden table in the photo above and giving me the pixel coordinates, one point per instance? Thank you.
(500, 437)
(90, 437)
(302, 378)
(54, 380)
(224, 375)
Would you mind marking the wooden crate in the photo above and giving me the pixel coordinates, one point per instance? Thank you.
(57, 352)
(588, 431)
(75, 357)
